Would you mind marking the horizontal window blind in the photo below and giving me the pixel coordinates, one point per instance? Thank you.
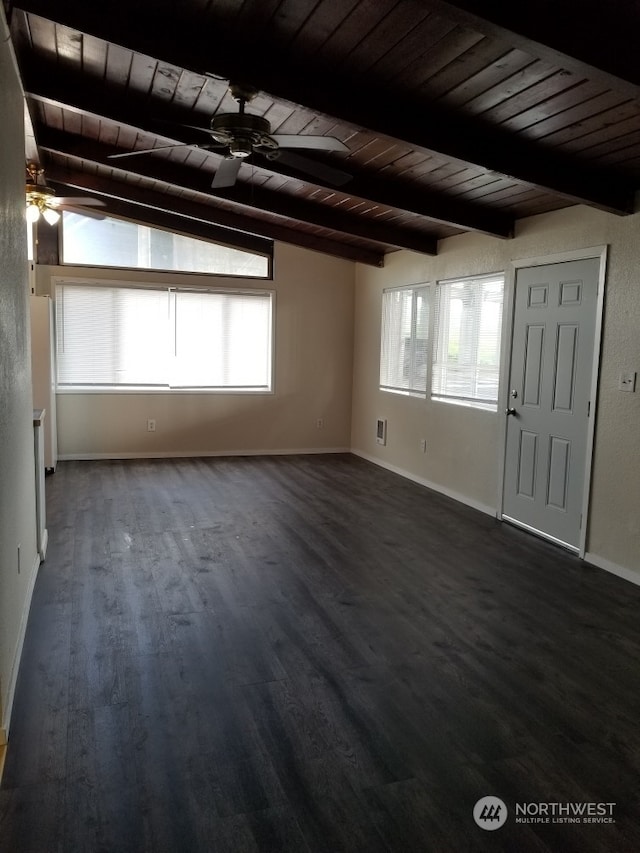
(162, 338)
(404, 339)
(222, 340)
(468, 325)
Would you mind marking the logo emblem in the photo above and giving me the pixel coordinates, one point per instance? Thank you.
(490, 813)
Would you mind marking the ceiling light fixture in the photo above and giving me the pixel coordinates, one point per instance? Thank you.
(51, 216)
(40, 198)
(33, 212)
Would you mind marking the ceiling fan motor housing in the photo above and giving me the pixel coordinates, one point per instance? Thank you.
(242, 133)
(35, 191)
(39, 194)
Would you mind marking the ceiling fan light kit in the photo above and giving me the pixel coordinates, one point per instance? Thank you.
(40, 197)
(50, 216)
(240, 148)
(43, 201)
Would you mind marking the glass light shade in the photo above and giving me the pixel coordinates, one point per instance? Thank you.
(33, 213)
(52, 216)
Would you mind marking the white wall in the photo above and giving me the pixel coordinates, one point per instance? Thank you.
(463, 445)
(17, 477)
(313, 370)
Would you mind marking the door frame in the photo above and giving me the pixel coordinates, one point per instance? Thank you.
(594, 252)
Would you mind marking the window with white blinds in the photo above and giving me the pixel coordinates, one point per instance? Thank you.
(466, 357)
(147, 337)
(405, 339)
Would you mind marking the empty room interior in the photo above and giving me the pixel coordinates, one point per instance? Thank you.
(319, 427)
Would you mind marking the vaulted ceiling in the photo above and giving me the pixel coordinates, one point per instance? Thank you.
(455, 116)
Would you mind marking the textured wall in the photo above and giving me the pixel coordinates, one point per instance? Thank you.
(453, 434)
(313, 370)
(17, 490)
(464, 446)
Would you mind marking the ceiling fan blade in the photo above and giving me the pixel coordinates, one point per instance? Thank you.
(227, 173)
(147, 150)
(196, 127)
(78, 200)
(325, 174)
(317, 143)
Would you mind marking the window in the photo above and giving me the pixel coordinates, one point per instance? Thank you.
(115, 243)
(162, 338)
(405, 336)
(466, 359)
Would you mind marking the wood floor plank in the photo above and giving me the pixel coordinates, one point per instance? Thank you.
(38, 744)
(310, 653)
(32, 818)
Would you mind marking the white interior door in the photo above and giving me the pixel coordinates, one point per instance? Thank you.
(553, 343)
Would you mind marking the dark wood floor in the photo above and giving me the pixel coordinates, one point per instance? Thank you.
(311, 654)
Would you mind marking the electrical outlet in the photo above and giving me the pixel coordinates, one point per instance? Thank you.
(627, 382)
(320, 423)
(151, 425)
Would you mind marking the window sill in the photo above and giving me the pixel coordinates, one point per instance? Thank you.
(403, 392)
(468, 404)
(142, 389)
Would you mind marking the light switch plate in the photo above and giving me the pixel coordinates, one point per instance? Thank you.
(627, 382)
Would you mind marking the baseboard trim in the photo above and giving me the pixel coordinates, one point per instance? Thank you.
(45, 542)
(196, 454)
(621, 571)
(436, 487)
(15, 666)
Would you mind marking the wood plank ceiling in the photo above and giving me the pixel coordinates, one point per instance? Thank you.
(456, 116)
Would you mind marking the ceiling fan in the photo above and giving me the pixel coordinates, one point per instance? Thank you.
(239, 135)
(41, 199)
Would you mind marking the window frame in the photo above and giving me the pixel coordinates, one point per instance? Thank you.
(168, 389)
(423, 288)
(267, 253)
(470, 402)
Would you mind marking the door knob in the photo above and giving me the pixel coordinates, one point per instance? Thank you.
(510, 411)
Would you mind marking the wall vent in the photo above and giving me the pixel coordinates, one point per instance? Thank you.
(381, 431)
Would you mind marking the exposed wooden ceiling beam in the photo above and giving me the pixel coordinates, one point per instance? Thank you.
(595, 41)
(54, 87)
(244, 194)
(456, 137)
(182, 41)
(195, 227)
(141, 204)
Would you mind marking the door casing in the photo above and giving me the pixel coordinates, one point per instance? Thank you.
(599, 253)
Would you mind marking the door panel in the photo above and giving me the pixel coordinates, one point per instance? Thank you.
(558, 472)
(533, 366)
(549, 386)
(527, 465)
(565, 361)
